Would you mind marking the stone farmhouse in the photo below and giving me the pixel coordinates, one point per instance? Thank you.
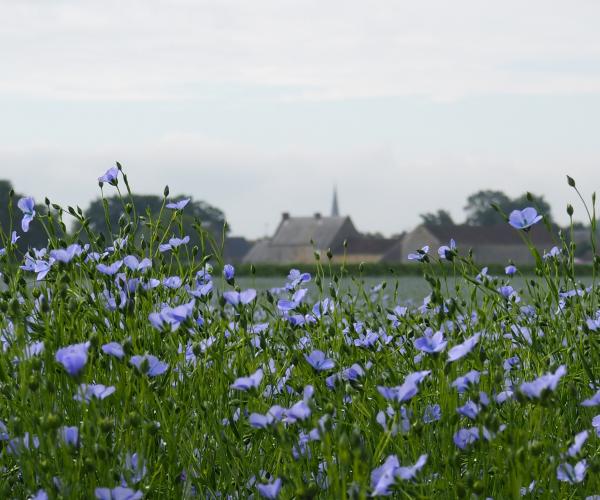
(490, 244)
(298, 238)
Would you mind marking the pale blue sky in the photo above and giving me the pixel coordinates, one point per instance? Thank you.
(260, 107)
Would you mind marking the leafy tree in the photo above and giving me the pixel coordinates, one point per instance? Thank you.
(480, 210)
(479, 207)
(439, 218)
(209, 217)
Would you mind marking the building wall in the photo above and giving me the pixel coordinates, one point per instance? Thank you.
(501, 254)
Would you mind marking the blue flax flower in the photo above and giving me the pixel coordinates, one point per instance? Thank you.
(173, 243)
(578, 442)
(431, 344)
(524, 219)
(318, 361)
(178, 205)
(133, 263)
(421, 254)
(114, 349)
(462, 383)
(66, 255)
(510, 270)
(109, 176)
(567, 473)
(246, 383)
(384, 477)
(228, 272)
(270, 490)
(89, 391)
(464, 437)
(461, 350)
(596, 424)
(407, 390)
(469, 410)
(111, 269)
(73, 357)
(446, 252)
(432, 413)
(285, 305)
(118, 493)
(70, 435)
(27, 206)
(260, 421)
(244, 297)
(155, 366)
(549, 382)
(593, 401)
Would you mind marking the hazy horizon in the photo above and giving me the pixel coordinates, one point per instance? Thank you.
(261, 108)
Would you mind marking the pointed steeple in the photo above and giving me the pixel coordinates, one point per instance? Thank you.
(335, 212)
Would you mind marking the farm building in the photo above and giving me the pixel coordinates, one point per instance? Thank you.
(490, 244)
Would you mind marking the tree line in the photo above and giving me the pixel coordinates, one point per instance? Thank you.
(484, 208)
(151, 207)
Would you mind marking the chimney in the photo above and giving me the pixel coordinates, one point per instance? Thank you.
(285, 215)
(317, 215)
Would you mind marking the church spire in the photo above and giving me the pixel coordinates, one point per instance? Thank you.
(335, 212)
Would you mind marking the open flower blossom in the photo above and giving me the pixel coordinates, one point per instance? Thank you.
(578, 442)
(571, 474)
(549, 382)
(109, 176)
(465, 437)
(155, 366)
(285, 305)
(73, 357)
(446, 251)
(228, 272)
(27, 206)
(66, 255)
(461, 350)
(593, 401)
(69, 435)
(270, 490)
(524, 219)
(173, 243)
(421, 254)
(319, 361)
(244, 297)
(178, 205)
(89, 391)
(431, 344)
(170, 318)
(250, 382)
(260, 421)
(111, 269)
(407, 390)
(385, 476)
(114, 349)
(462, 383)
(133, 263)
(118, 493)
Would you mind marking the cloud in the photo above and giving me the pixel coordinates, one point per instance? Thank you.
(340, 49)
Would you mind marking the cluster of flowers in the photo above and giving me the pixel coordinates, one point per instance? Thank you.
(310, 393)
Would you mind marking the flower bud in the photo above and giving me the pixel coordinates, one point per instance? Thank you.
(571, 181)
(570, 210)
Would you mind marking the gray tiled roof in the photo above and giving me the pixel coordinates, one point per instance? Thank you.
(322, 230)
